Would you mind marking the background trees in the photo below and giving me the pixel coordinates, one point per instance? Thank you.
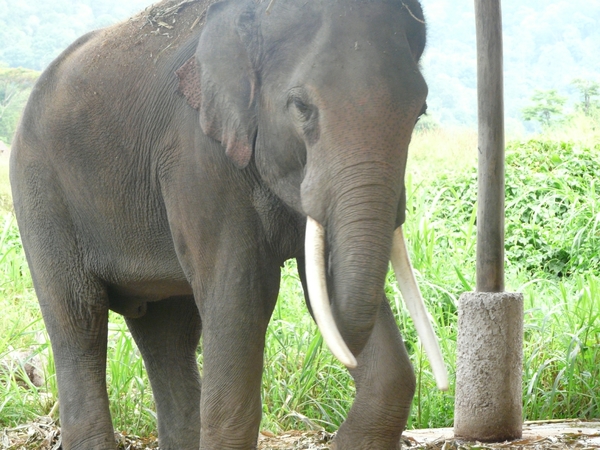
(588, 91)
(547, 104)
(33, 33)
(548, 44)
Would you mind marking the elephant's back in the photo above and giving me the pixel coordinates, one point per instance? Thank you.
(111, 70)
(140, 46)
(153, 34)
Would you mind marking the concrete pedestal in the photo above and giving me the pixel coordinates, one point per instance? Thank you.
(489, 363)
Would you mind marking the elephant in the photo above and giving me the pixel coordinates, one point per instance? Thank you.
(167, 166)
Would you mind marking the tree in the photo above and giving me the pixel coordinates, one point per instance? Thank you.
(546, 104)
(587, 90)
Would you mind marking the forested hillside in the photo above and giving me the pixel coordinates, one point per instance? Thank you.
(548, 43)
(34, 32)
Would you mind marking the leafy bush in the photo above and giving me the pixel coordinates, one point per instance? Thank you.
(552, 207)
(552, 212)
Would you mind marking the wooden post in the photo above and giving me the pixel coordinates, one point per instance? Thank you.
(490, 197)
(489, 361)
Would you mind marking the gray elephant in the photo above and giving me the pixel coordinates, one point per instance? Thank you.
(166, 167)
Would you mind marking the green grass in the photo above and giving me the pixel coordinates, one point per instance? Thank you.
(552, 257)
(562, 357)
(441, 151)
(304, 386)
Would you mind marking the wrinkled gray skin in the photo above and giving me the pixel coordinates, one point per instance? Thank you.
(130, 199)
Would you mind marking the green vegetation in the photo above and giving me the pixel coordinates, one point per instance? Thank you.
(552, 242)
(15, 86)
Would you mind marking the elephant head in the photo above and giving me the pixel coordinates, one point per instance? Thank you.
(322, 97)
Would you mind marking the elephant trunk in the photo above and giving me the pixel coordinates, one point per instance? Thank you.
(350, 261)
(355, 250)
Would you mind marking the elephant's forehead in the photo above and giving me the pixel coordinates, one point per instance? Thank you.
(359, 83)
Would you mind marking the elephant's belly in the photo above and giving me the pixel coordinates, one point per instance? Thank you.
(136, 260)
(130, 300)
(137, 269)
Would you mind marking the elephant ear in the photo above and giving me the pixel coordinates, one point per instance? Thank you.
(228, 81)
(189, 82)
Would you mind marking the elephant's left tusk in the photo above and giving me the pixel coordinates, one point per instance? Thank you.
(416, 307)
(317, 292)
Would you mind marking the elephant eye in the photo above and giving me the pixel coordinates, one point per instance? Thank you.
(304, 111)
(299, 103)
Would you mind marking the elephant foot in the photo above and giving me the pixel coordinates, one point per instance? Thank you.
(351, 442)
(92, 441)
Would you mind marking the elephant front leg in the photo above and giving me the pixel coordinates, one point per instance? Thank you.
(234, 323)
(167, 336)
(385, 385)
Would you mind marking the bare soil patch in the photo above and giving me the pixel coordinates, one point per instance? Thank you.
(547, 435)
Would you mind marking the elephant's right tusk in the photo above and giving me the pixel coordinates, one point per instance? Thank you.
(317, 292)
(416, 307)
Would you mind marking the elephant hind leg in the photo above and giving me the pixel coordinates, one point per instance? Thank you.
(74, 306)
(73, 300)
(385, 385)
(76, 318)
(167, 336)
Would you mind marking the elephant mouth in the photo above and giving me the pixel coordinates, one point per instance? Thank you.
(315, 245)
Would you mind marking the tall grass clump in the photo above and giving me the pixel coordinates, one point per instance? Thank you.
(562, 349)
(21, 328)
(581, 128)
(304, 387)
(129, 393)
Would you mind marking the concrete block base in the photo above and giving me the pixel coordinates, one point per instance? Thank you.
(489, 363)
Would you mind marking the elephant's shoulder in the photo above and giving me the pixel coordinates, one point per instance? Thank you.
(128, 50)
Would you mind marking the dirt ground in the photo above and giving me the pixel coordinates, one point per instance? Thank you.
(548, 435)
